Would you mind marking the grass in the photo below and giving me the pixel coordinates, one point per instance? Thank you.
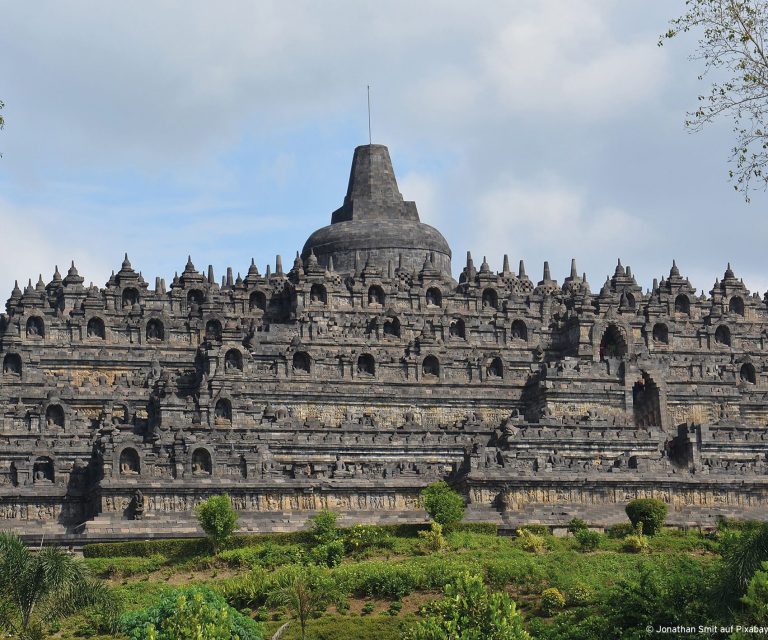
(395, 570)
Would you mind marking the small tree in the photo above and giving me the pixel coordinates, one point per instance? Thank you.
(305, 591)
(41, 586)
(323, 527)
(443, 504)
(434, 540)
(732, 50)
(470, 612)
(218, 519)
(648, 512)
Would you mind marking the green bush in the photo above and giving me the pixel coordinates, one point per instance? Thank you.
(587, 540)
(524, 571)
(250, 590)
(218, 519)
(323, 527)
(480, 528)
(576, 524)
(268, 556)
(619, 531)
(529, 541)
(552, 601)
(649, 512)
(468, 612)
(189, 614)
(363, 536)
(755, 601)
(635, 543)
(170, 548)
(538, 529)
(579, 595)
(443, 504)
(329, 554)
(434, 540)
(391, 580)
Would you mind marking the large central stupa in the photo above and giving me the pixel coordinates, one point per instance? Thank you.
(375, 225)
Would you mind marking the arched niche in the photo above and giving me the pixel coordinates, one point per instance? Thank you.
(392, 327)
(257, 300)
(223, 410)
(130, 297)
(723, 335)
(233, 360)
(213, 330)
(12, 364)
(495, 369)
(366, 365)
(736, 305)
(631, 302)
(490, 299)
(195, 298)
(318, 294)
(201, 462)
(430, 368)
(747, 373)
(35, 327)
(95, 329)
(660, 333)
(457, 329)
(376, 295)
(519, 331)
(54, 415)
(682, 305)
(646, 402)
(155, 331)
(43, 470)
(434, 297)
(302, 363)
(130, 463)
(612, 343)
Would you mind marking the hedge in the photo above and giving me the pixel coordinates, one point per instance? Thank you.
(188, 547)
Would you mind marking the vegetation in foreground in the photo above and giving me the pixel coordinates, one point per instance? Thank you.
(456, 581)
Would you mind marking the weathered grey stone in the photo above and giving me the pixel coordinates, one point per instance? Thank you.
(366, 372)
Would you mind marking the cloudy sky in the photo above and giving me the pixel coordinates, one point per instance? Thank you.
(541, 129)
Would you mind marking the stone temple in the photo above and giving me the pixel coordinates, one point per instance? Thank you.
(362, 372)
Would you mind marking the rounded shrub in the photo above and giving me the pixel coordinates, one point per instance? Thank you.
(649, 512)
(587, 540)
(530, 541)
(552, 601)
(575, 525)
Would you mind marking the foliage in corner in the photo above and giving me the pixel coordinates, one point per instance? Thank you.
(218, 519)
(443, 504)
(470, 612)
(190, 614)
(732, 48)
(41, 587)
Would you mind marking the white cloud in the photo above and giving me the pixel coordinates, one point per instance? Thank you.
(541, 221)
(565, 58)
(35, 240)
(423, 190)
